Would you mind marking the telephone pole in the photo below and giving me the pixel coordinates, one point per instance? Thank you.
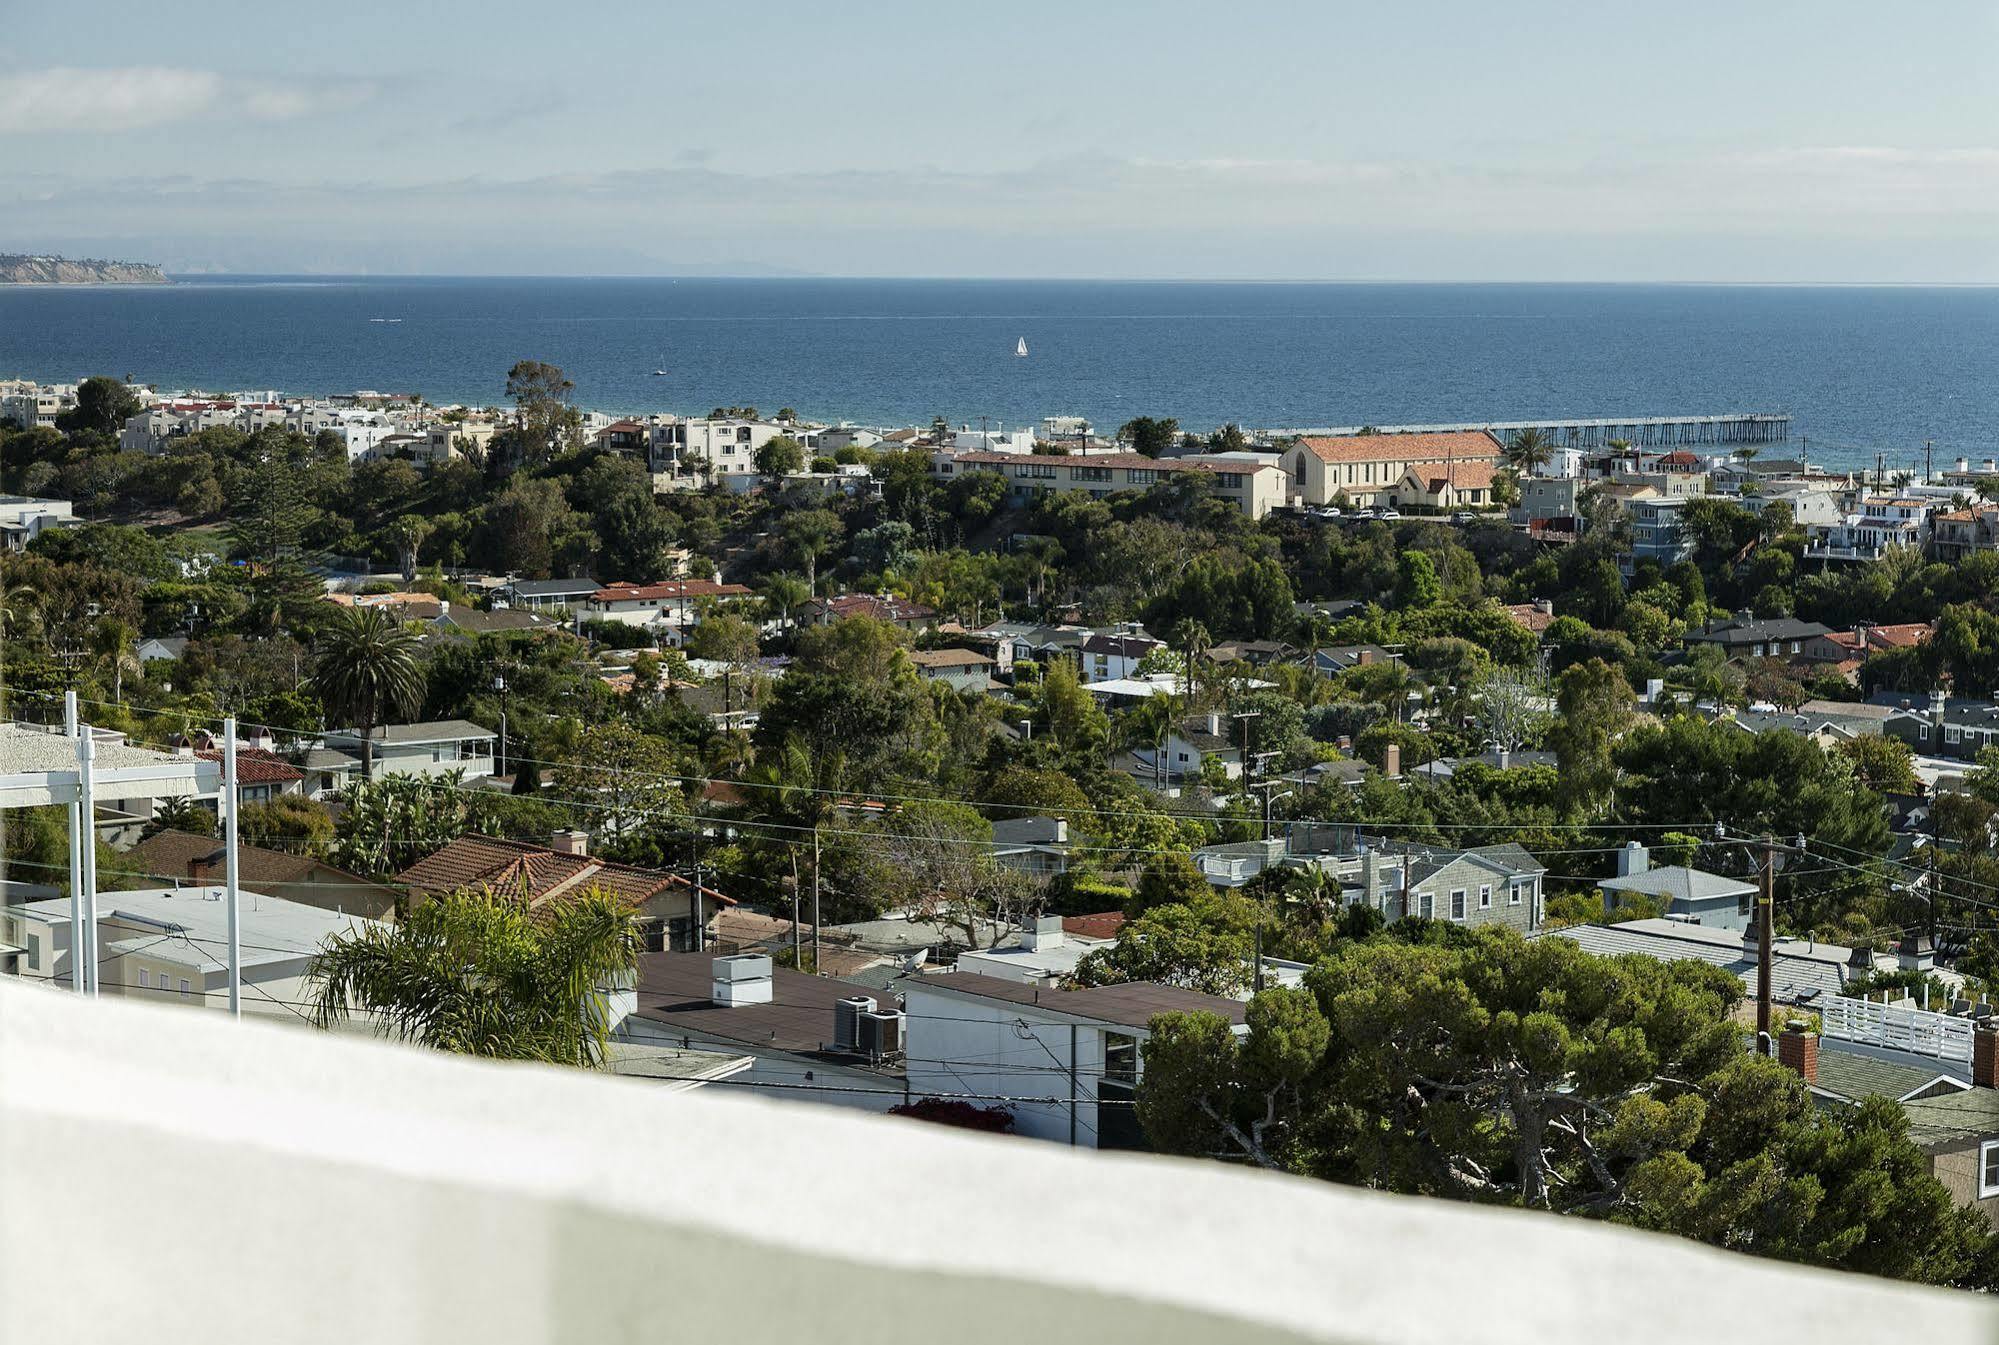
(1765, 937)
(815, 899)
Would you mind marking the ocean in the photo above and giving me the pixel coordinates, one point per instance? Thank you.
(1861, 369)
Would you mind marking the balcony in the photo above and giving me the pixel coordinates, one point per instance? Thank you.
(178, 1177)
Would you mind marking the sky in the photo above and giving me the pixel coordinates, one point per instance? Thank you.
(1263, 139)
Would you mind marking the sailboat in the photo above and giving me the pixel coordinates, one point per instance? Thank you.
(1021, 349)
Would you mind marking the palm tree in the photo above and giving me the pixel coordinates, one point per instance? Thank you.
(783, 595)
(115, 644)
(408, 533)
(1193, 639)
(367, 670)
(1529, 450)
(1746, 455)
(482, 974)
(19, 606)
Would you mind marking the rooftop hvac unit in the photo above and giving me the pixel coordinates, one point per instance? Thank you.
(846, 1021)
(881, 1035)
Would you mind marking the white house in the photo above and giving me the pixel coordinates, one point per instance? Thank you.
(435, 748)
(677, 602)
(1070, 1059)
(23, 518)
(171, 945)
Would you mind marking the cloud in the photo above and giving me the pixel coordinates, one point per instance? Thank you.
(68, 99)
(135, 97)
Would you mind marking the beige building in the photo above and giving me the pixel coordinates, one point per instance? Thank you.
(1251, 483)
(1456, 485)
(1367, 468)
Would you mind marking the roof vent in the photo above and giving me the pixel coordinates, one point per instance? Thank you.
(741, 978)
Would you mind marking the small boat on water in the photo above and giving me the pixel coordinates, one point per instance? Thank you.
(385, 319)
(659, 373)
(1021, 349)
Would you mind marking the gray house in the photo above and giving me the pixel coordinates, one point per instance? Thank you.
(1491, 885)
(1683, 893)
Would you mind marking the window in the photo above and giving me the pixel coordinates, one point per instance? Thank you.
(1140, 476)
(1950, 734)
(1089, 473)
(145, 979)
(1988, 1169)
(1513, 894)
(1457, 903)
(1429, 904)
(1922, 733)
(183, 985)
(1120, 1058)
(1485, 897)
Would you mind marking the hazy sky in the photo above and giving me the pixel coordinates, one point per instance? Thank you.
(1448, 140)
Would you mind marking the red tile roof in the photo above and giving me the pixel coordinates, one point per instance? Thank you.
(1530, 616)
(869, 604)
(1401, 447)
(673, 588)
(1461, 475)
(536, 871)
(1102, 925)
(255, 766)
(1133, 461)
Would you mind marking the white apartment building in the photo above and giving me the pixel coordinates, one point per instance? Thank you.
(1254, 485)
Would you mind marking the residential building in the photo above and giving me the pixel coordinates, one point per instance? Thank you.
(677, 602)
(811, 1038)
(1106, 655)
(157, 647)
(1255, 653)
(959, 669)
(1867, 533)
(1368, 468)
(1957, 533)
(171, 945)
(1044, 953)
(437, 747)
(1749, 636)
(1536, 616)
(1036, 846)
(972, 1033)
(1545, 499)
(900, 612)
(1252, 483)
(548, 595)
(23, 518)
(1453, 485)
(1336, 659)
(187, 860)
(1946, 727)
(1656, 534)
(1803, 971)
(672, 915)
(726, 444)
(1191, 746)
(1681, 893)
(262, 776)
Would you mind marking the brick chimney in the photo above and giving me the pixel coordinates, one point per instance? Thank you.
(1985, 1055)
(570, 842)
(1391, 761)
(1798, 1049)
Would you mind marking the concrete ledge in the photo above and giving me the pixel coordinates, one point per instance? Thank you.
(172, 1176)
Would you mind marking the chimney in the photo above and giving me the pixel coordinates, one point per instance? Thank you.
(1939, 699)
(1367, 875)
(1859, 965)
(1391, 761)
(1366, 658)
(570, 842)
(740, 978)
(1545, 606)
(1214, 721)
(1985, 1054)
(1042, 933)
(1916, 953)
(1752, 941)
(1061, 831)
(1798, 1049)
(1633, 859)
(1964, 464)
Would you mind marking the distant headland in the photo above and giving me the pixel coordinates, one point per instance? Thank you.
(21, 269)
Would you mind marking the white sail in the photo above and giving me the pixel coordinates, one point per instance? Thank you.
(1021, 349)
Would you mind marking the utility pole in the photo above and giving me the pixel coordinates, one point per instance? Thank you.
(1929, 461)
(815, 899)
(700, 934)
(797, 950)
(233, 891)
(1765, 937)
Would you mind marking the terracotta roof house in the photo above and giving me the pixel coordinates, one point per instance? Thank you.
(1536, 616)
(182, 858)
(260, 775)
(1366, 468)
(538, 872)
(1452, 485)
(882, 607)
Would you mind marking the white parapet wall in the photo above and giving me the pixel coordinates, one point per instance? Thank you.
(181, 1177)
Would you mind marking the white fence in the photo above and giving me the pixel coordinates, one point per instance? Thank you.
(1904, 1029)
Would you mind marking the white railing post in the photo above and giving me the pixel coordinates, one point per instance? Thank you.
(229, 798)
(77, 831)
(85, 842)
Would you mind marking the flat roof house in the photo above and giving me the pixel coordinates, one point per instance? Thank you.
(677, 602)
(1071, 1059)
(437, 747)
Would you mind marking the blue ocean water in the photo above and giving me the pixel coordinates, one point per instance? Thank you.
(1861, 369)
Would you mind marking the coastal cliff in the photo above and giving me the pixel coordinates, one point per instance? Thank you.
(18, 269)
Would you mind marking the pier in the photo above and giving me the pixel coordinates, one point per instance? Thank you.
(1639, 432)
